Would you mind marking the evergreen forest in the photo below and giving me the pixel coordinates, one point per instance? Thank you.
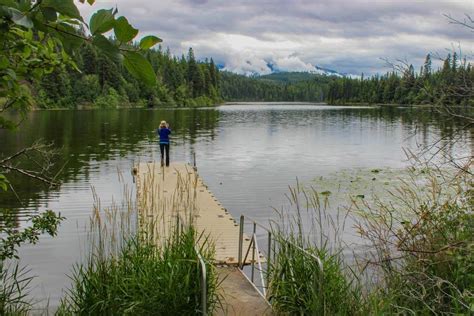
(450, 85)
(187, 82)
(105, 83)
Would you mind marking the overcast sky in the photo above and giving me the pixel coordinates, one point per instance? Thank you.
(349, 36)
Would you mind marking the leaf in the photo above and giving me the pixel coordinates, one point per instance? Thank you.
(124, 31)
(91, 2)
(49, 14)
(24, 5)
(102, 21)
(66, 7)
(4, 62)
(16, 16)
(11, 73)
(149, 41)
(107, 47)
(69, 41)
(140, 68)
(3, 182)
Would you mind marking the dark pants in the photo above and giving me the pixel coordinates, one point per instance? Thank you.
(165, 148)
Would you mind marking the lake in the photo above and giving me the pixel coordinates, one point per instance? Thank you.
(247, 153)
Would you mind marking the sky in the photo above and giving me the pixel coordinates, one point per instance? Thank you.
(348, 36)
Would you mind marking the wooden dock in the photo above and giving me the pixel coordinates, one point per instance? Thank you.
(167, 194)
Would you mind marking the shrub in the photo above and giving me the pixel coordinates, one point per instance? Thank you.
(110, 100)
(424, 245)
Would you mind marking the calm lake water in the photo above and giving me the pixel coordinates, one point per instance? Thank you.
(248, 154)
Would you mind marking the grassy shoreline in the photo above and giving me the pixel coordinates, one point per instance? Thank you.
(418, 257)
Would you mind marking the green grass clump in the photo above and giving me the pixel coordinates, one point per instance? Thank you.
(14, 290)
(300, 287)
(143, 280)
(306, 275)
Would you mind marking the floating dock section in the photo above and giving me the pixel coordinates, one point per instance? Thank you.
(169, 195)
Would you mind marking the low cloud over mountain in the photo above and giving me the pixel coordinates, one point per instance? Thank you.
(350, 36)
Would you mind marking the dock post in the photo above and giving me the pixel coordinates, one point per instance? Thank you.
(241, 241)
(253, 250)
(269, 255)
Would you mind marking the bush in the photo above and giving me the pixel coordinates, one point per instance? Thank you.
(87, 88)
(424, 248)
(110, 100)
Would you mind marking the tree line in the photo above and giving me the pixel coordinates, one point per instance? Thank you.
(241, 88)
(452, 84)
(105, 83)
(185, 81)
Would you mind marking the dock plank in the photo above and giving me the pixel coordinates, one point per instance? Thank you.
(166, 193)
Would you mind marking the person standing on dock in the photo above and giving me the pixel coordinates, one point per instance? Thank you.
(164, 131)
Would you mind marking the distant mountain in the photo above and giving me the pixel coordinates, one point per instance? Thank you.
(297, 74)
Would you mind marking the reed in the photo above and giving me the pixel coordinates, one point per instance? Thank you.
(417, 253)
(14, 289)
(140, 265)
(308, 275)
(422, 244)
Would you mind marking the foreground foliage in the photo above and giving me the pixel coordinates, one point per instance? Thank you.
(37, 38)
(14, 279)
(424, 254)
(308, 274)
(418, 256)
(142, 279)
(300, 286)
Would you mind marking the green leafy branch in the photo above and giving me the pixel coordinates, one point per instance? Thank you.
(11, 237)
(37, 37)
(63, 17)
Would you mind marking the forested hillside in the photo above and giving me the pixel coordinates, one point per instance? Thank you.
(184, 81)
(278, 87)
(451, 85)
(103, 82)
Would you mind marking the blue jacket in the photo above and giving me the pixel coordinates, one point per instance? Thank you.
(164, 135)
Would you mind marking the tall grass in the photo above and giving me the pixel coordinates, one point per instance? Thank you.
(307, 275)
(423, 244)
(143, 280)
(419, 258)
(132, 269)
(14, 289)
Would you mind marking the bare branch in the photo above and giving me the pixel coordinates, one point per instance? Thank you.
(30, 174)
(467, 22)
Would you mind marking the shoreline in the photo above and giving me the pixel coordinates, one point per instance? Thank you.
(224, 103)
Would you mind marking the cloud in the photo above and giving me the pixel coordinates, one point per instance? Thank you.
(350, 36)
